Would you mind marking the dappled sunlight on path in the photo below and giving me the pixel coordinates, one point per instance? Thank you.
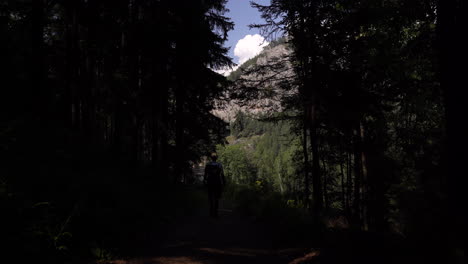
(219, 255)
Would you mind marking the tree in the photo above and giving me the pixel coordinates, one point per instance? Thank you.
(95, 92)
(361, 67)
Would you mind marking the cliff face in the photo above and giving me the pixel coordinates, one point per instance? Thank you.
(259, 85)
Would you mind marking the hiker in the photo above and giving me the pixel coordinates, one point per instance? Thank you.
(214, 179)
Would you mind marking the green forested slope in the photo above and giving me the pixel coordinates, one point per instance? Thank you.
(262, 153)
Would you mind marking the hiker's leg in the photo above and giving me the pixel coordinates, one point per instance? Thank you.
(216, 204)
(213, 206)
(210, 201)
(217, 197)
(212, 197)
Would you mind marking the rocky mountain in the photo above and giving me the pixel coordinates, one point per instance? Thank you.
(259, 85)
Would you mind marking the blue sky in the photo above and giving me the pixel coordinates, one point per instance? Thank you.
(242, 14)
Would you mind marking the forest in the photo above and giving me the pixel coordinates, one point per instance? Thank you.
(107, 112)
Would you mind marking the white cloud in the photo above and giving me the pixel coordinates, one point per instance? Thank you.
(227, 70)
(249, 47)
(246, 48)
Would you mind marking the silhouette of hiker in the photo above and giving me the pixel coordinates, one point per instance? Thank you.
(214, 179)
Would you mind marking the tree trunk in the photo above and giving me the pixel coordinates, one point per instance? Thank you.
(74, 61)
(325, 184)
(179, 130)
(90, 87)
(357, 181)
(305, 152)
(343, 190)
(40, 95)
(364, 190)
(316, 177)
(452, 45)
(160, 120)
(134, 68)
(280, 182)
(160, 95)
(349, 182)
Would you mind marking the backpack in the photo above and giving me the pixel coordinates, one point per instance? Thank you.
(213, 173)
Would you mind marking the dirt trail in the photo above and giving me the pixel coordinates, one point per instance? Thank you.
(236, 239)
(231, 238)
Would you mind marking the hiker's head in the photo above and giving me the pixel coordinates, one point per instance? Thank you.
(214, 156)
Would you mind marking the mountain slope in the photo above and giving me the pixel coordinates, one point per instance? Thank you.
(257, 84)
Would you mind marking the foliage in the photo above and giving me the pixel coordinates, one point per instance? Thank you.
(104, 104)
(237, 165)
(357, 79)
(262, 152)
(288, 221)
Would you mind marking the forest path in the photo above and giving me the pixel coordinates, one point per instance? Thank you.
(231, 238)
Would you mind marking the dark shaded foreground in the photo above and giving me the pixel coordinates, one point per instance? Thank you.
(231, 238)
(237, 238)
